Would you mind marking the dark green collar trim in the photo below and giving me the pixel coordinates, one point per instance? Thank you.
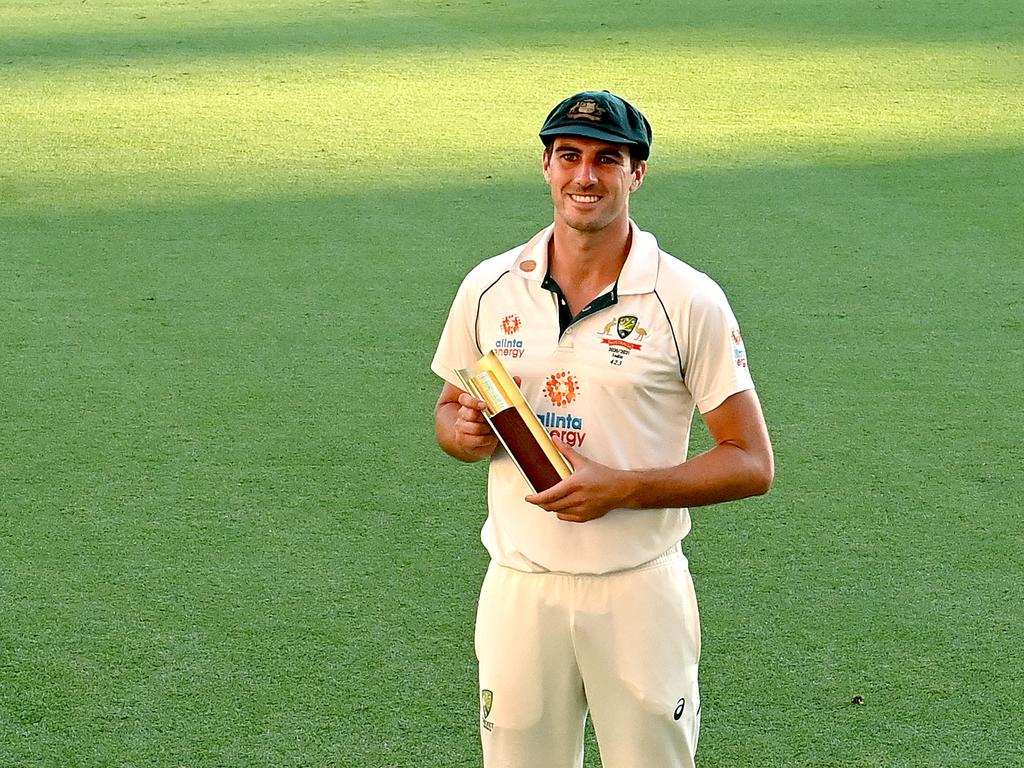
(565, 318)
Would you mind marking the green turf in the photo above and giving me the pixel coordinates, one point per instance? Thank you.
(229, 233)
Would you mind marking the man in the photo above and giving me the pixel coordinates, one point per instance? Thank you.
(588, 603)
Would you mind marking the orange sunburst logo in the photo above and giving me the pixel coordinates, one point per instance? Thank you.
(561, 388)
(510, 324)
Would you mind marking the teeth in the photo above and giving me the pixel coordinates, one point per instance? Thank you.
(585, 198)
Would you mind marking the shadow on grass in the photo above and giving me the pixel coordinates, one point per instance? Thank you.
(139, 33)
(890, 268)
(220, 478)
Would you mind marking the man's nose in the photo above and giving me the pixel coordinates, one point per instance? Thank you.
(585, 173)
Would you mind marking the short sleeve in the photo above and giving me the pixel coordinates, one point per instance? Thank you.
(458, 347)
(716, 362)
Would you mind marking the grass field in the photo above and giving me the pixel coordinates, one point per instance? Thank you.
(229, 234)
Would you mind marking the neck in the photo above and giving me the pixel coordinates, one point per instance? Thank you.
(588, 258)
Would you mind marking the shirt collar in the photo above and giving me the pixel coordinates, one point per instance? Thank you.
(638, 275)
(532, 261)
(640, 272)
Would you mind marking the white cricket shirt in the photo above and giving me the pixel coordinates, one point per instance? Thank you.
(620, 385)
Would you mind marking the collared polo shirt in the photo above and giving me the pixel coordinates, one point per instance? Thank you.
(619, 383)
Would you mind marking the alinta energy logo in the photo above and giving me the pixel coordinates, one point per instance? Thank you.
(739, 353)
(561, 390)
(627, 338)
(509, 347)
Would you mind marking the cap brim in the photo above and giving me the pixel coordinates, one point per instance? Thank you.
(588, 131)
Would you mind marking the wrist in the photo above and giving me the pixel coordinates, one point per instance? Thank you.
(630, 483)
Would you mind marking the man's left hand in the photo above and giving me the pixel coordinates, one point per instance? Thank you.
(590, 492)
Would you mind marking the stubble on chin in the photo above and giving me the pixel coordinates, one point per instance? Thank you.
(587, 226)
(579, 222)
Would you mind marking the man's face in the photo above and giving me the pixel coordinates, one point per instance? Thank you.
(590, 181)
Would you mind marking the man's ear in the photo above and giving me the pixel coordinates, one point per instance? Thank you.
(545, 162)
(638, 176)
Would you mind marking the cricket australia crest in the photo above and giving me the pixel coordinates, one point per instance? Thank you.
(625, 326)
(628, 337)
(486, 702)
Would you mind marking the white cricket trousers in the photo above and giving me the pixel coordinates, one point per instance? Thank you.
(625, 645)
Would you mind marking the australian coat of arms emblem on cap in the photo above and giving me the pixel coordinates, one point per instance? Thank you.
(588, 109)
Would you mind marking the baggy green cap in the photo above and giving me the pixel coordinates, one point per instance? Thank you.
(600, 115)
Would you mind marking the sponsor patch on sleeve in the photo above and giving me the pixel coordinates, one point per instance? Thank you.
(739, 354)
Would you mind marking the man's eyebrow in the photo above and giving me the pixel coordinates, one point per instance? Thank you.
(609, 152)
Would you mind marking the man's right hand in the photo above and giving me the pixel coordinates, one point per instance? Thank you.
(460, 426)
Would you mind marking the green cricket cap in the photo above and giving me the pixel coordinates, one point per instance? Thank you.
(600, 115)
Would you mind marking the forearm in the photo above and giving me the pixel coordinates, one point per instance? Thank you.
(724, 473)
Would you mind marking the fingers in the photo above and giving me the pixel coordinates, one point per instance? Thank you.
(571, 507)
(471, 422)
(556, 498)
(471, 414)
(570, 455)
(561, 505)
(472, 428)
(570, 517)
(470, 417)
(476, 437)
(471, 408)
(585, 495)
(482, 445)
(466, 400)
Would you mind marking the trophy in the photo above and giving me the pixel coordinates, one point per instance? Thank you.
(514, 423)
